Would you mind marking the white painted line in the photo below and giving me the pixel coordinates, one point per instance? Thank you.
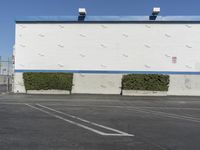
(172, 108)
(139, 109)
(121, 106)
(95, 124)
(119, 133)
(170, 115)
(12, 103)
(111, 106)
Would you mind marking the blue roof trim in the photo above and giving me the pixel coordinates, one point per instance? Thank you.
(113, 72)
(108, 19)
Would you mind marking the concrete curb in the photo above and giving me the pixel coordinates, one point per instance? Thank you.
(143, 93)
(49, 92)
(3, 93)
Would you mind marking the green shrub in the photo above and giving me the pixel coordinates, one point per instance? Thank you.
(48, 81)
(149, 82)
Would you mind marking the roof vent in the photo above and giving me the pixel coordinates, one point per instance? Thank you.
(155, 11)
(82, 11)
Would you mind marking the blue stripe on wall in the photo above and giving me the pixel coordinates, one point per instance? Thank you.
(108, 18)
(112, 72)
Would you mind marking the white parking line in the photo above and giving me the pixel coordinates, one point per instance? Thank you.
(112, 106)
(125, 106)
(169, 115)
(117, 132)
(141, 109)
(12, 103)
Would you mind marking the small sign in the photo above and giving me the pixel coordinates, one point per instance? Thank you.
(174, 60)
(13, 59)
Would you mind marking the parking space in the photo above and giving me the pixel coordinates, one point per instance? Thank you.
(99, 122)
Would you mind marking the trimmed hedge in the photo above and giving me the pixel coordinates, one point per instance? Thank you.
(48, 81)
(149, 82)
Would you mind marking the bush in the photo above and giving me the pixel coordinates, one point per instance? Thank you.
(48, 81)
(149, 82)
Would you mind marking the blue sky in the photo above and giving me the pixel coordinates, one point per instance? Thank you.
(10, 9)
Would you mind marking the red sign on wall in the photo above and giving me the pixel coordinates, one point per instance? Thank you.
(174, 60)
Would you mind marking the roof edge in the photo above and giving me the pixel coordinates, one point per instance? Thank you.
(108, 19)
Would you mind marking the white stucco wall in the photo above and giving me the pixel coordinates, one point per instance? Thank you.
(184, 85)
(3, 80)
(97, 83)
(121, 47)
(109, 47)
(19, 83)
(188, 85)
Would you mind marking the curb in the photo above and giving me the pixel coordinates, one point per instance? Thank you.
(3, 93)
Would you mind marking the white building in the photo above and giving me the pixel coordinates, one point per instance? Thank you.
(99, 50)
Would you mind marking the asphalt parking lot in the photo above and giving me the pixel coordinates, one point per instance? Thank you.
(94, 122)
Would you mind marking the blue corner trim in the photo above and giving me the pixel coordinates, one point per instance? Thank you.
(108, 19)
(112, 72)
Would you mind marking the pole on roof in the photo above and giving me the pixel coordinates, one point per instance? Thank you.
(0, 64)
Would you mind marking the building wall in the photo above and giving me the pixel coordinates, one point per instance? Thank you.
(97, 83)
(187, 85)
(19, 83)
(184, 85)
(3, 79)
(108, 47)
